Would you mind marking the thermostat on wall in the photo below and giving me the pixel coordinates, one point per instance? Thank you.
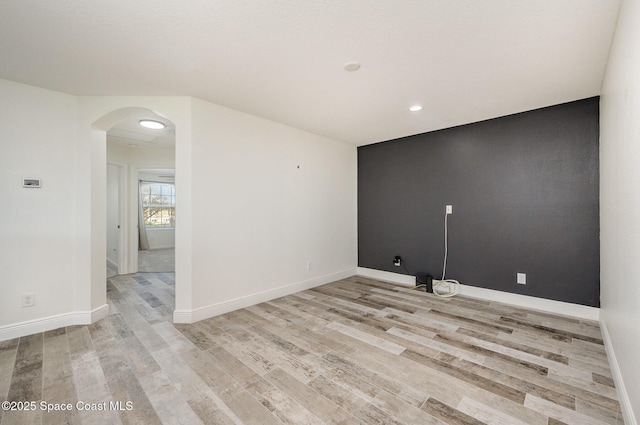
(31, 183)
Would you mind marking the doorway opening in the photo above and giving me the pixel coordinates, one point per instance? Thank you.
(138, 154)
(141, 202)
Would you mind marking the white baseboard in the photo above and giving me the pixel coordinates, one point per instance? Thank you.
(97, 314)
(534, 303)
(44, 324)
(402, 279)
(623, 396)
(197, 314)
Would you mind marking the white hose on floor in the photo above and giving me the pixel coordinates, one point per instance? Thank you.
(445, 288)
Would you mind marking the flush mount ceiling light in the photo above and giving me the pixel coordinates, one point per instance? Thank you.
(154, 125)
(352, 66)
(415, 108)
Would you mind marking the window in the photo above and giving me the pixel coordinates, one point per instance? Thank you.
(158, 204)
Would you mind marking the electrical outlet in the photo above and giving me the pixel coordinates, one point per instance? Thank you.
(309, 265)
(397, 261)
(28, 299)
(449, 209)
(521, 278)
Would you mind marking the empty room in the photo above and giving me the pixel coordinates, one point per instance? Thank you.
(365, 212)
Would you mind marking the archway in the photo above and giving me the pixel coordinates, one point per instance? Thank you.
(131, 141)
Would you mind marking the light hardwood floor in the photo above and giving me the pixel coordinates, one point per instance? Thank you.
(357, 351)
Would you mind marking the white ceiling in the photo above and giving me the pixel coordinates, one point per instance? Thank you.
(463, 60)
(131, 134)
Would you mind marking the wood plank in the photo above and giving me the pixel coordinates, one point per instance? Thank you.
(356, 351)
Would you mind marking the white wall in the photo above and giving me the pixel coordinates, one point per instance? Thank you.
(38, 231)
(249, 219)
(620, 204)
(266, 199)
(113, 214)
(141, 158)
(54, 238)
(161, 238)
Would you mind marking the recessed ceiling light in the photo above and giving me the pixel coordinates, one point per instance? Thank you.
(415, 108)
(352, 66)
(154, 125)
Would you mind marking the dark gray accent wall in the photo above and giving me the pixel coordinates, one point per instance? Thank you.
(525, 196)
